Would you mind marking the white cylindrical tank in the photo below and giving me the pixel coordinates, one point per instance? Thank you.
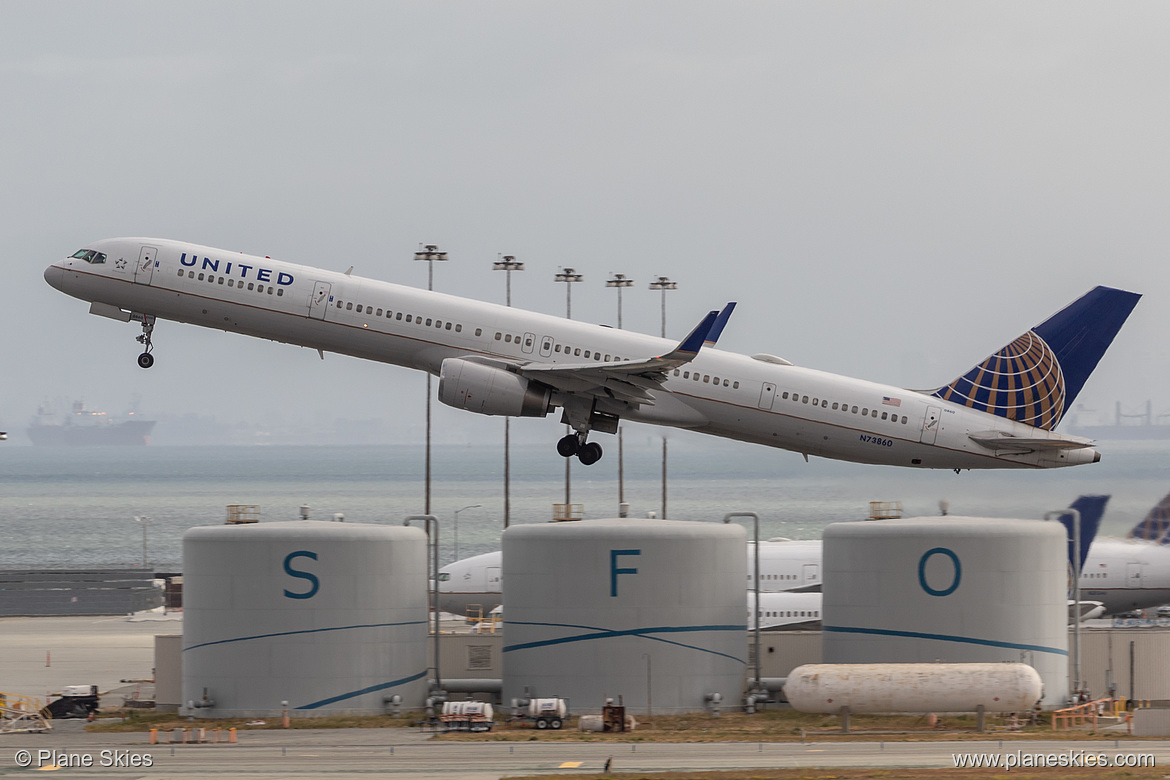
(649, 610)
(328, 617)
(910, 688)
(950, 590)
(547, 708)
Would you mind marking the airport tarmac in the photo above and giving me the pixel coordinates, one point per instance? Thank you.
(107, 650)
(43, 654)
(315, 753)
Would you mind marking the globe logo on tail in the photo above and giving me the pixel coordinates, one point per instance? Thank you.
(1021, 382)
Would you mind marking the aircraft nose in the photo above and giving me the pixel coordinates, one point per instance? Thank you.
(55, 276)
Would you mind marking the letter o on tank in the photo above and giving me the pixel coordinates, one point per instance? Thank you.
(958, 575)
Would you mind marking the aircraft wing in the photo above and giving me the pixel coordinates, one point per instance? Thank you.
(998, 440)
(629, 380)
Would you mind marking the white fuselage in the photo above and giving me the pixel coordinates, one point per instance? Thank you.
(1126, 574)
(750, 399)
(475, 585)
(1121, 574)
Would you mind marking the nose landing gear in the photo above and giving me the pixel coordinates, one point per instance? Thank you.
(146, 360)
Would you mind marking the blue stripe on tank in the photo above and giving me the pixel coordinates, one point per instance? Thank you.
(305, 631)
(644, 633)
(945, 638)
(371, 689)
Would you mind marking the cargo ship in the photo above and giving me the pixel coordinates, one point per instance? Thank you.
(83, 427)
(1131, 426)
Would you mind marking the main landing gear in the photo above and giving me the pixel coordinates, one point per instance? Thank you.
(146, 360)
(574, 444)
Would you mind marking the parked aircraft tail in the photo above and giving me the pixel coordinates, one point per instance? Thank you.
(1091, 509)
(1035, 378)
(1155, 526)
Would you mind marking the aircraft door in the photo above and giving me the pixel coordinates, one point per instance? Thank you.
(930, 425)
(811, 574)
(528, 343)
(320, 300)
(493, 580)
(546, 345)
(1133, 575)
(144, 271)
(767, 395)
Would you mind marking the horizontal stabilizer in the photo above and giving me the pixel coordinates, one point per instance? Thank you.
(998, 440)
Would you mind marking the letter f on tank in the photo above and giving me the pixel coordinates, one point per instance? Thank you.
(614, 571)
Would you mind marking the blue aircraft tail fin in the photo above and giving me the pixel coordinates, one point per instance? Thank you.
(1091, 509)
(1155, 526)
(1035, 378)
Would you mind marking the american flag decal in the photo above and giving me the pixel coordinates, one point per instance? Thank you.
(891, 401)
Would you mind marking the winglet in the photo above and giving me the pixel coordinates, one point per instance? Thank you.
(690, 346)
(720, 324)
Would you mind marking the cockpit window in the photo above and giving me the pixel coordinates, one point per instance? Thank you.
(90, 256)
(444, 576)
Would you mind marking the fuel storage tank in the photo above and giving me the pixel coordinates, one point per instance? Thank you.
(329, 617)
(648, 610)
(951, 590)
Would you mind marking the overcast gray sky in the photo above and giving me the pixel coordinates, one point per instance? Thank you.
(890, 190)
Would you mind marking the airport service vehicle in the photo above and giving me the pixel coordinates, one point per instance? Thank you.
(466, 716)
(498, 360)
(550, 713)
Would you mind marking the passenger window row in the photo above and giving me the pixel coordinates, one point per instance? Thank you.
(865, 410)
(213, 279)
(415, 319)
(707, 378)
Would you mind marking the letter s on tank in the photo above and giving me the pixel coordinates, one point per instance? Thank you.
(304, 575)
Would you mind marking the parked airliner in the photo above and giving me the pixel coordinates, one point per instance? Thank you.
(475, 584)
(1131, 573)
(498, 360)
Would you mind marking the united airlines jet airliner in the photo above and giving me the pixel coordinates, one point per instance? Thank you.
(497, 360)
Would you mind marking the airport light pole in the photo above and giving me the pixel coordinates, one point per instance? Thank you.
(568, 276)
(727, 518)
(433, 580)
(431, 254)
(1076, 594)
(457, 511)
(618, 281)
(664, 284)
(507, 264)
(143, 521)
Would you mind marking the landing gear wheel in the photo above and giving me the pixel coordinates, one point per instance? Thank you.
(568, 446)
(589, 454)
(146, 360)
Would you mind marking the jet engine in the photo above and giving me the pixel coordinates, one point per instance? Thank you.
(486, 389)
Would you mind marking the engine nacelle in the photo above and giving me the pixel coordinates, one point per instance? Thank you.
(483, 389)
